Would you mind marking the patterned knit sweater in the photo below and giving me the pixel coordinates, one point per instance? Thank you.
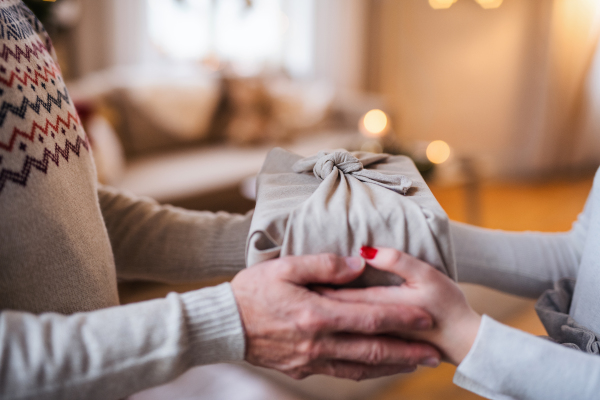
(64, 242)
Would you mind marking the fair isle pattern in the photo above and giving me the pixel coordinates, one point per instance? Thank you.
(31, 87)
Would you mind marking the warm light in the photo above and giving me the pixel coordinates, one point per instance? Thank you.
(489, 3)
(441, 4)
(374, 123)
(438, 151)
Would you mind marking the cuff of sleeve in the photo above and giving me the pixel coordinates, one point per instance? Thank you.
(215, 332)
(476, 372)
(228, 247)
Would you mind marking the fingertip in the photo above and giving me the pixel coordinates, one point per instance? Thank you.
(356, 264)
(407, 370)
(431, 362)
(368, 253)
(379, 255)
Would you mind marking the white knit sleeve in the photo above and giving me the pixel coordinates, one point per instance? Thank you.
(170, 244)
(114, 352)
(522, 263)
(505, 363)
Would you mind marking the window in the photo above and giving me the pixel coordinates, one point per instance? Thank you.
(272, 33)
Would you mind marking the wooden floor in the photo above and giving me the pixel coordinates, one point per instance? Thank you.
(550, 206)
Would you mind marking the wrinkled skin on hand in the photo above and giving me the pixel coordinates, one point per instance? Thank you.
(300, 332)
(455, 323)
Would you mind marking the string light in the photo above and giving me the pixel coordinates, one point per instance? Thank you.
(374, 124)
(438, 151)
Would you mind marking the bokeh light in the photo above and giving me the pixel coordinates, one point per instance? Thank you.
(489, 3)
(438, 151)
(374, 123)
(441, 4)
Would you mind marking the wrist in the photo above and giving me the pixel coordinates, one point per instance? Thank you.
(465, 336)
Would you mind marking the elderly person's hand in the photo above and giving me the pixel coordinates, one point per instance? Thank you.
(299, 332)
(455, 323)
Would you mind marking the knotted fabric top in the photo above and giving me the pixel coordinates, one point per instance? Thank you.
(353, 164)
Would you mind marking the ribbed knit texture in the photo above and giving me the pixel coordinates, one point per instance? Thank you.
(117, 351)
(212, 321)
(64, 242)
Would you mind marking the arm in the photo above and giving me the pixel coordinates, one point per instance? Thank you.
(524, 263)
(169, 244)
(505, 363)
(112, 353)
(493, 360)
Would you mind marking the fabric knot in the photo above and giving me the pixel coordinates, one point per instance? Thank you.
(326, 162)
(343, 160)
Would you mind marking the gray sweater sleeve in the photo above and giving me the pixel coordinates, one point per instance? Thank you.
(505, 363)
(169, 244)
(521, 263)
(114, 352)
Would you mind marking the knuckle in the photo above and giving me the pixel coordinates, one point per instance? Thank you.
(398, 257)
(306, 352)
(313, 351)
(311, 321)
(412, 354)
(285, 267)
(372, 322)
(329, 261)
(376, 353)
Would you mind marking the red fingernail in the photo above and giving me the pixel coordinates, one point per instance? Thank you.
(368, 253)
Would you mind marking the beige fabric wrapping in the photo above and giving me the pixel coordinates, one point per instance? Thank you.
(321, 209)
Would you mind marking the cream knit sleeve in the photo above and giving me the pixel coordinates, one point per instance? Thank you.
(522, 263)
(114, 352)
(169, 244)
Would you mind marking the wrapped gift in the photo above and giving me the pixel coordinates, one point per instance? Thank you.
(337, 202)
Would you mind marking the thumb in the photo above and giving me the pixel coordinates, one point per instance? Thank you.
(323, 268)
(394, 261)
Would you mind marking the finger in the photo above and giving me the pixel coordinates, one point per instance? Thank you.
(359, 372)
(372, 295)
(376, 350)
(397, 262)
(365, 318)
(322, 268)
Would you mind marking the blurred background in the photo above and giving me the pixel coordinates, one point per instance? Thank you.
(496, 101)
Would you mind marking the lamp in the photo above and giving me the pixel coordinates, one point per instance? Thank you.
(487, 4)
(443, 4)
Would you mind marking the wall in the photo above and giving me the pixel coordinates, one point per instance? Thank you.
(503, 86)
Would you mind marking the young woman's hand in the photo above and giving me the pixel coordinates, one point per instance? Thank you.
(455, 322)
